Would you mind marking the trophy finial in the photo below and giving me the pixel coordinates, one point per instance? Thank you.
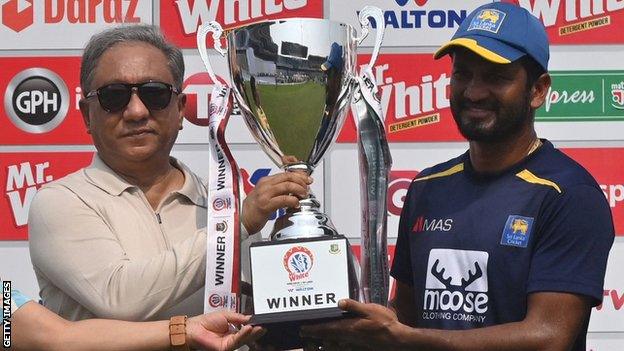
(377, 14)
(202, 31)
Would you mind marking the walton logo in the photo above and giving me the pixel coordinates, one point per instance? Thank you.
(456, 286)
(18, 14)
(432, 225)
(398, 185)
(422, 18)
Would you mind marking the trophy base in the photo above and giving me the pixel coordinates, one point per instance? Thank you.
(283, 327)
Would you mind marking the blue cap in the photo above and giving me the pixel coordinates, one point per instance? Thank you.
(334, 59)
(501, 33)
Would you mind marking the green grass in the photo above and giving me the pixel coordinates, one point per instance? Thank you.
(294, 113)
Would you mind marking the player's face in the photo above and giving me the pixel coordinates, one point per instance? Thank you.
(134, 133)
(489, 101)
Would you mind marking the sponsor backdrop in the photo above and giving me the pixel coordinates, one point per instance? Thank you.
(42, 136)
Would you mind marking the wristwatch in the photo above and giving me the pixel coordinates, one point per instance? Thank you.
(177, 333)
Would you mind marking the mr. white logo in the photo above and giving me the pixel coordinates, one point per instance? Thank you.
(36, 100)
(456, 286)
(21, 186)
(428, 96)
(423, 224)
(548, 10)
(202, 11)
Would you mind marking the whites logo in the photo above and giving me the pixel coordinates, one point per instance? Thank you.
(548, 10)
(456, 286)
(428, 96)
(234, 11)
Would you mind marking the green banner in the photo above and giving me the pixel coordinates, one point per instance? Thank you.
(584, 96)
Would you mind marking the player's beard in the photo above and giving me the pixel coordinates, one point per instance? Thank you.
(509, 120)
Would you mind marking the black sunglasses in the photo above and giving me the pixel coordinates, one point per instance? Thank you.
(114, 97)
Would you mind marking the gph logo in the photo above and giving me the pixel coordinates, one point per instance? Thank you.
(36, 100)
(220, 204)
(18, 14)
(398, 185)
(225, 301)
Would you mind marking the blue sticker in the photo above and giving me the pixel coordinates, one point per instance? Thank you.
(517, 231)
(487, 19)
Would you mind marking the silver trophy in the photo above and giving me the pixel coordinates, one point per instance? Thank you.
(294, 80)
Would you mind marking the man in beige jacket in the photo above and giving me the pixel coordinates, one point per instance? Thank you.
(125, 237)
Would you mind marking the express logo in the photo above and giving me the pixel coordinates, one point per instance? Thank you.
(36, 100)
(18, 14)
(298, 262)
(617, 94)
(249, 183)
(398, 185)
(487, 19)
(220, 204)
(198, 88)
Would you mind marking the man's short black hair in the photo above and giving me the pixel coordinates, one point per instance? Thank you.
(533, 69)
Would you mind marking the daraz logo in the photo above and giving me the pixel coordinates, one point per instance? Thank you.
(18, 14)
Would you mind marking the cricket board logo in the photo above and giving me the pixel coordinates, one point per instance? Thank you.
(298, 262)
(180, 19)
(578, 21)
(414, 101)
(456, 287)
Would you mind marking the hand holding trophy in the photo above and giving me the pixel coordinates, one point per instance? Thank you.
(293, 80)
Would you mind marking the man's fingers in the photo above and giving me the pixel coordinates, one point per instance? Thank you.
(353, 306)
(295, 177)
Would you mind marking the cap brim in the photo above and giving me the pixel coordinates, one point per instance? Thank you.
(486, 47)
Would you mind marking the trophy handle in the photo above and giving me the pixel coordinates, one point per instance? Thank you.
(377, 15)
(202, 32)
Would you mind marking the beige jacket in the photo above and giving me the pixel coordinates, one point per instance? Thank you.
(100, 250)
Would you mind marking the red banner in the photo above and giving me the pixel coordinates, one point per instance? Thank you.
(413, 90)
(606, 167)
(41, 101)
(179, 19)
(579, 21)
(23, 174)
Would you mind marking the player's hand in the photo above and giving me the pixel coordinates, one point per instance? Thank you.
(215, 331)
(272, 193)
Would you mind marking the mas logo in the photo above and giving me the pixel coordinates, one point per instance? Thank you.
(298, 262)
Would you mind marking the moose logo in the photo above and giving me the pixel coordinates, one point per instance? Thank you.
(457, 282)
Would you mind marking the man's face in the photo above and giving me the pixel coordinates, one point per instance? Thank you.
(135, 133)
(489, 101)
